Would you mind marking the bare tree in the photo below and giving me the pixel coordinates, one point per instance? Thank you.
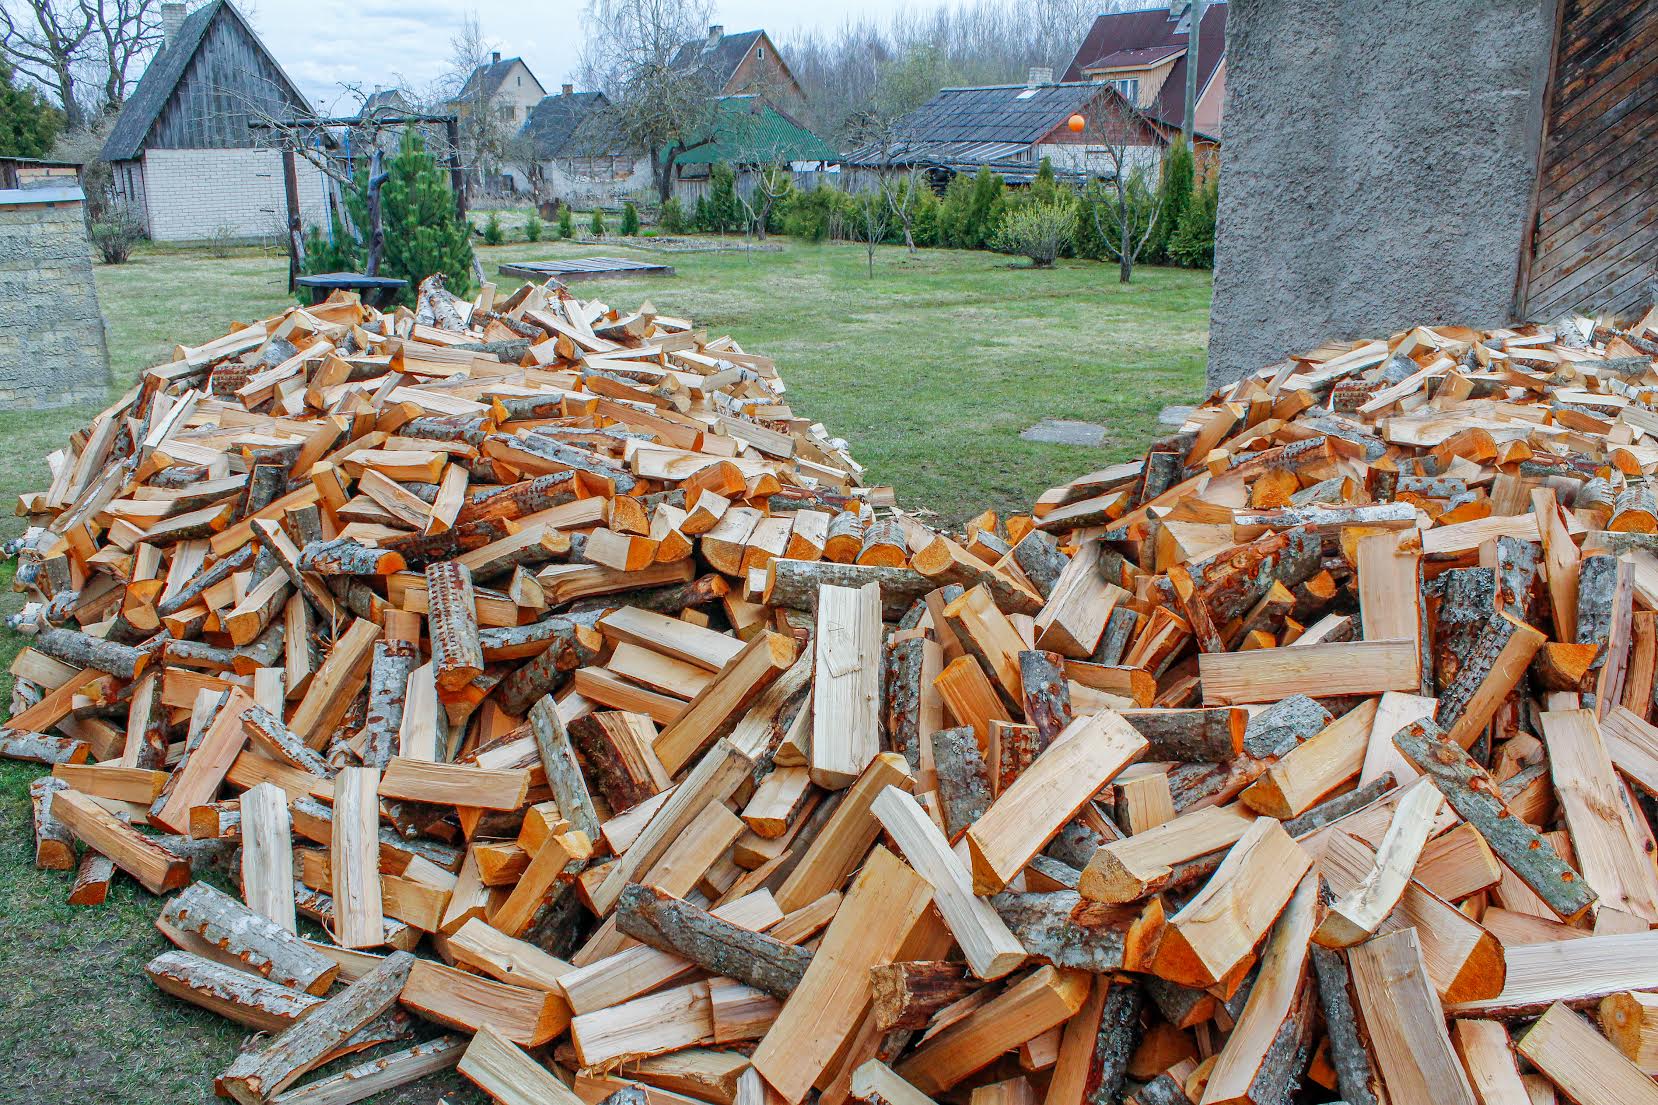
(1120, 149)
(127, 30)
(975, 42)
(486, 129)
(49, 42)
(660, 103)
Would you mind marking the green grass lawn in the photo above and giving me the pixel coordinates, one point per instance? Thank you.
(930, 370)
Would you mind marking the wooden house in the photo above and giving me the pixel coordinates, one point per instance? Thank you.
(1145, 53)
(185, 160)
(743, 64)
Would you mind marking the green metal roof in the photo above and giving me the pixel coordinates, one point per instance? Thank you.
(750, 131)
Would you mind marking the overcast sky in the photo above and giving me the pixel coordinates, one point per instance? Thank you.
(387, 42)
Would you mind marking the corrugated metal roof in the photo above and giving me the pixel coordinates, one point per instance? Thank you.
(750, 131)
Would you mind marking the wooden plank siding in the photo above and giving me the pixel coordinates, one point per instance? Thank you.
(230, 78)
(1592, 244)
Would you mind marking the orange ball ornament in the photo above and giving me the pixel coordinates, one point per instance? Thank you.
(1076, 123)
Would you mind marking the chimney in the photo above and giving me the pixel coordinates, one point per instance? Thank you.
(1040, 74)
(172, 18)
(716, 32)
(566, 90)
(495, 57)
(1178, 8)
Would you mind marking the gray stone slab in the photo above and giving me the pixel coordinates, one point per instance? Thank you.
(1060, 431)
(1175, 414)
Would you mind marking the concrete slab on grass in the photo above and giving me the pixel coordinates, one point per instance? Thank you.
(1060, 431)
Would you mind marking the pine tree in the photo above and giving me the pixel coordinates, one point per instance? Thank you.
(672, 219)
(1045, 189)
(337, 251)
(630, 220)
(1193, 242)
(424, 233)
(28, 124)
(566, 222)
(984, 209)
(724, 212)
(494, 232)
(597, 225)
(1174, 196)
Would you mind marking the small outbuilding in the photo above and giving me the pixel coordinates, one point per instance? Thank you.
(186, 162)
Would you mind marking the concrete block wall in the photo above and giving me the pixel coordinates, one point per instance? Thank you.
(190, 194)
(52, 348)
(1377, 169)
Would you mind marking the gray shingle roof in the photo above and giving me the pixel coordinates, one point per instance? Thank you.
(138, 114)
(490, 76)
(720, 58)
(554, 122)
(1011, 113)
(168, 67)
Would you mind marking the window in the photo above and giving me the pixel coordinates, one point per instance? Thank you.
(760, 52)
(1129, 87)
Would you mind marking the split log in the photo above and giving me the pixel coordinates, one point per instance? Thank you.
(387, 686)
(1027, 815)
(1355, 1072)
(54, 844)
(571, 646)
(250, 1000)
(457, 655)
(908, 994)
(720, 947)
(874, 919)
(343, 556)
(1473, 794)
(1565, 1047)
(255, 1076)
(92, 879)
(990, 949)
(1207, 940)
(82, 650)
(562, 768)
(240, 937)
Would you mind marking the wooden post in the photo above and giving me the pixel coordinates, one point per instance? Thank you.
(290, 192)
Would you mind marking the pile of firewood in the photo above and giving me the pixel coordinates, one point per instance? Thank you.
(1309, 757)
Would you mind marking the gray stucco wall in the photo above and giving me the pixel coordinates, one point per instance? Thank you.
(1377, 170)
(52, 350)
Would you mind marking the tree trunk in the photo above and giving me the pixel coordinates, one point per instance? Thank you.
(1126, 270)
(376, 230)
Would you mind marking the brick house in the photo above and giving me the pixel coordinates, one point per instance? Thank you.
(185, 160)
(1144, 55)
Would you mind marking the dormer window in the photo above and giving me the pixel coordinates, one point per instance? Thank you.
(1129, 87)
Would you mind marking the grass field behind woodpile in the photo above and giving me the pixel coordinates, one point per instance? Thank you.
(930, 370)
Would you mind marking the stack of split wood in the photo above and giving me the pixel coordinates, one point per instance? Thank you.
(593, 711)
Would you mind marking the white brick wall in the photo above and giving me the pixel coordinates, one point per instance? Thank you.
(192, 193)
